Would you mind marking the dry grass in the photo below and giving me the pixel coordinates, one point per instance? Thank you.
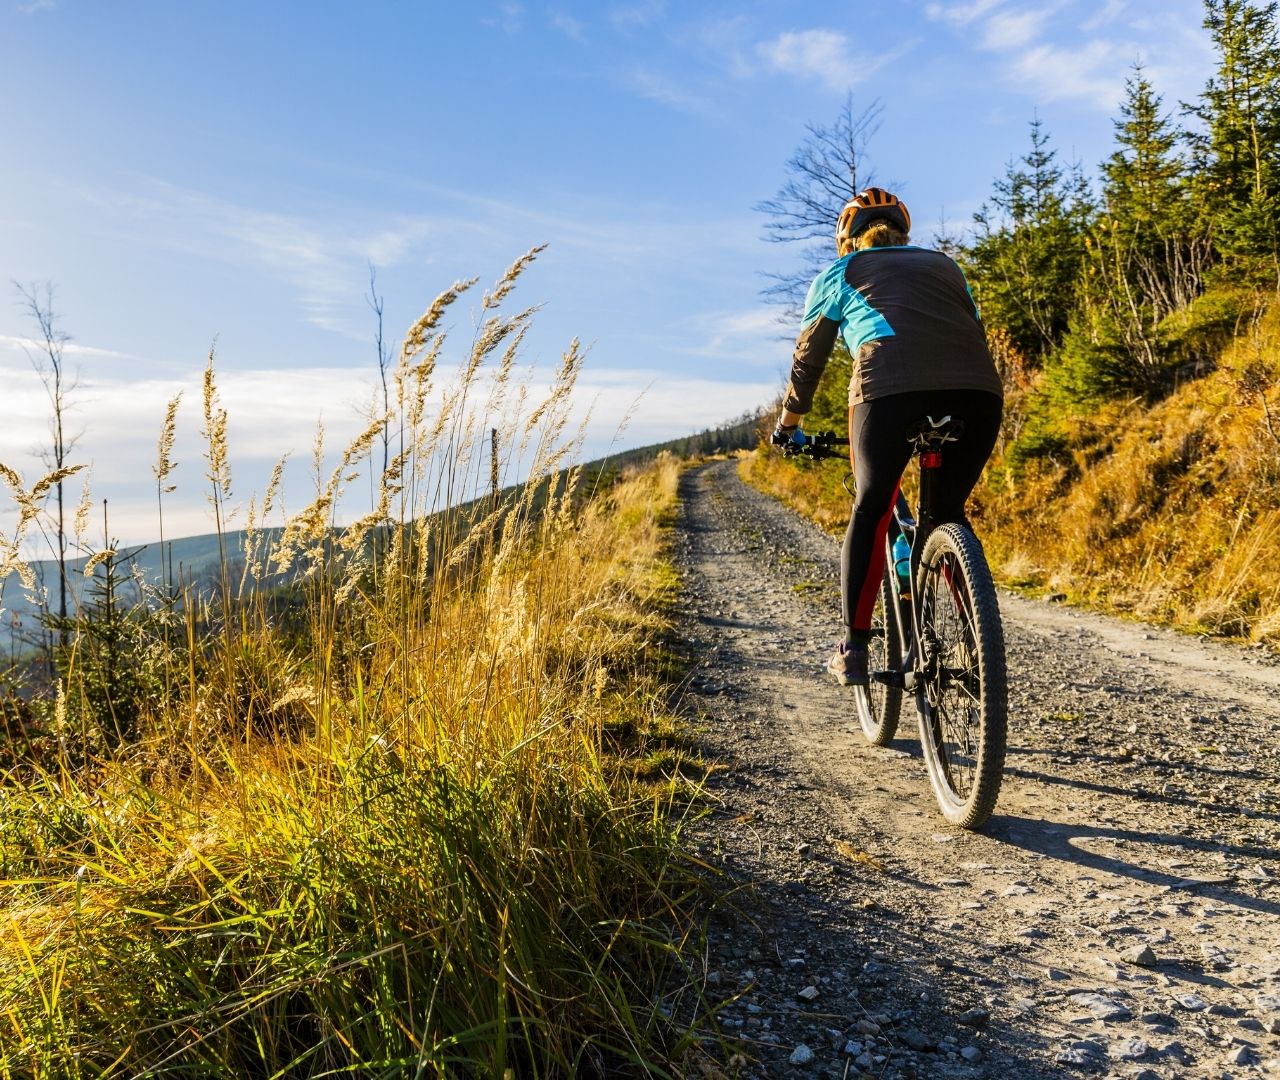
(1171, 512)
(384, 831)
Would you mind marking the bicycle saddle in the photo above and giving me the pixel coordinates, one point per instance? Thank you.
(930, 433)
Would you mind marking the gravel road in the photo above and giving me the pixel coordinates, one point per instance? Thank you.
(1117, 918)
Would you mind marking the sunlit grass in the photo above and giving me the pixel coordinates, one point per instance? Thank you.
(413, 816)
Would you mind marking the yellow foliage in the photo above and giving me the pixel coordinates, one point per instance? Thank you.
(1169, 512)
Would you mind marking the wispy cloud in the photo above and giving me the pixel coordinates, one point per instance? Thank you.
(34, 6)
(751, 336)
(274, 411)
(1009, 30)
(641, 13)
(826, 56)
(70, 348)
(1107, 14)
(961, 14)
(507, 17)
(1037, 48)
(572, 28)
(655, 86)
(823, 55)
(325, 261)
(1094, 72)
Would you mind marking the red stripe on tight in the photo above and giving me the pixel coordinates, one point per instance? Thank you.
(875, 571)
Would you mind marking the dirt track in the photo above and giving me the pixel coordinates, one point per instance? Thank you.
(864, 936)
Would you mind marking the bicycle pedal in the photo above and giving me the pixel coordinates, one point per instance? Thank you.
(890, 678)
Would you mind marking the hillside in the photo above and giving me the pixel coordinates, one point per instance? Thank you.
(1168, 510)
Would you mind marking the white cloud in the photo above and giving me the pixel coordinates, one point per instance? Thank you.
(961, 14)
(70, 348)
(569, 26)
(272, 412)
(1095, 72)
(752, 336)
(643, 13)
(825, 56)
(1011, 30)
(323, 260)
(656, 406)
(509, 18)
(1037, 51)
(1109, 13)
(816, 54)
(654, 86)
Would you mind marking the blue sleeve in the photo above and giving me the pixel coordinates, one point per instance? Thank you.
(824, 295)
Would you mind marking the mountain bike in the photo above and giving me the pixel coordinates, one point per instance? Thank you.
(936, 632)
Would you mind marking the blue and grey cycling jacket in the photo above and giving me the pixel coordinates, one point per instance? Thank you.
(908, 320)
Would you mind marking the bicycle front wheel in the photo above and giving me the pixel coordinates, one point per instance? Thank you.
(878, 705)
(962, 690)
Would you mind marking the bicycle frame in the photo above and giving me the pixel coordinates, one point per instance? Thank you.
(928, 442)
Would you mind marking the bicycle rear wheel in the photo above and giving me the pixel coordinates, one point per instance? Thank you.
(962, 692)
(878, 706)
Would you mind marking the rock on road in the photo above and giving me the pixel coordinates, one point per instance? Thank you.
(1120, 915)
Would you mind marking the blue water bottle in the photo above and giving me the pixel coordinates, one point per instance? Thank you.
(902, 564)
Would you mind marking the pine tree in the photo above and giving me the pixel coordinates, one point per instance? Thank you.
(1145, 258)
(1143, 187)
(1025, 262)
(1238, 150)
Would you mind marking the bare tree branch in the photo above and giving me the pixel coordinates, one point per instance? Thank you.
(824, 173)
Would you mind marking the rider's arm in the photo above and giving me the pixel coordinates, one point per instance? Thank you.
(808, 362)
(817, 338)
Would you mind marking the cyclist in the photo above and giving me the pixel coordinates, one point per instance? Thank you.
(918, 349)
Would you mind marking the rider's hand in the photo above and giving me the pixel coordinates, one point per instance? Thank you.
(789, 440)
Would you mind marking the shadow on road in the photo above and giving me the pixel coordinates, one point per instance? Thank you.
(1063, 841)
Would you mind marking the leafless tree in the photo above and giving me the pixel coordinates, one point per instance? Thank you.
(827, 169)
(48, 358)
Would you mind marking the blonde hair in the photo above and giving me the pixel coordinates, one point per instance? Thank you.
(880, 234)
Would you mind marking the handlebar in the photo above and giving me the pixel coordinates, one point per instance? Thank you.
(821, 444)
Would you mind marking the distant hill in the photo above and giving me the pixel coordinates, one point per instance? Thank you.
(192, 558)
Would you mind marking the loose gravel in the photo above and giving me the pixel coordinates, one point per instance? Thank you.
(1118, 916)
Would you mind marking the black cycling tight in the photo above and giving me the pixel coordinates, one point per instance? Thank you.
(879, 452)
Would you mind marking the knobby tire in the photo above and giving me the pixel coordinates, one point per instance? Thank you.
(962, 694)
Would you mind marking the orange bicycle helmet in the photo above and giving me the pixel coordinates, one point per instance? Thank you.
(867, 206)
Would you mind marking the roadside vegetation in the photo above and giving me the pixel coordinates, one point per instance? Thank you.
(415, 813)
(1134, 319)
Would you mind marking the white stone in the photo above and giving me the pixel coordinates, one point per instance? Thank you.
(801, 1055)
(1103, 1007)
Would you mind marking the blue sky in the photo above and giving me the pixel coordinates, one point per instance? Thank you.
(186, 172)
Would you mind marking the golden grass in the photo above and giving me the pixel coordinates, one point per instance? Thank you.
(377, 824)
(1170, 512)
